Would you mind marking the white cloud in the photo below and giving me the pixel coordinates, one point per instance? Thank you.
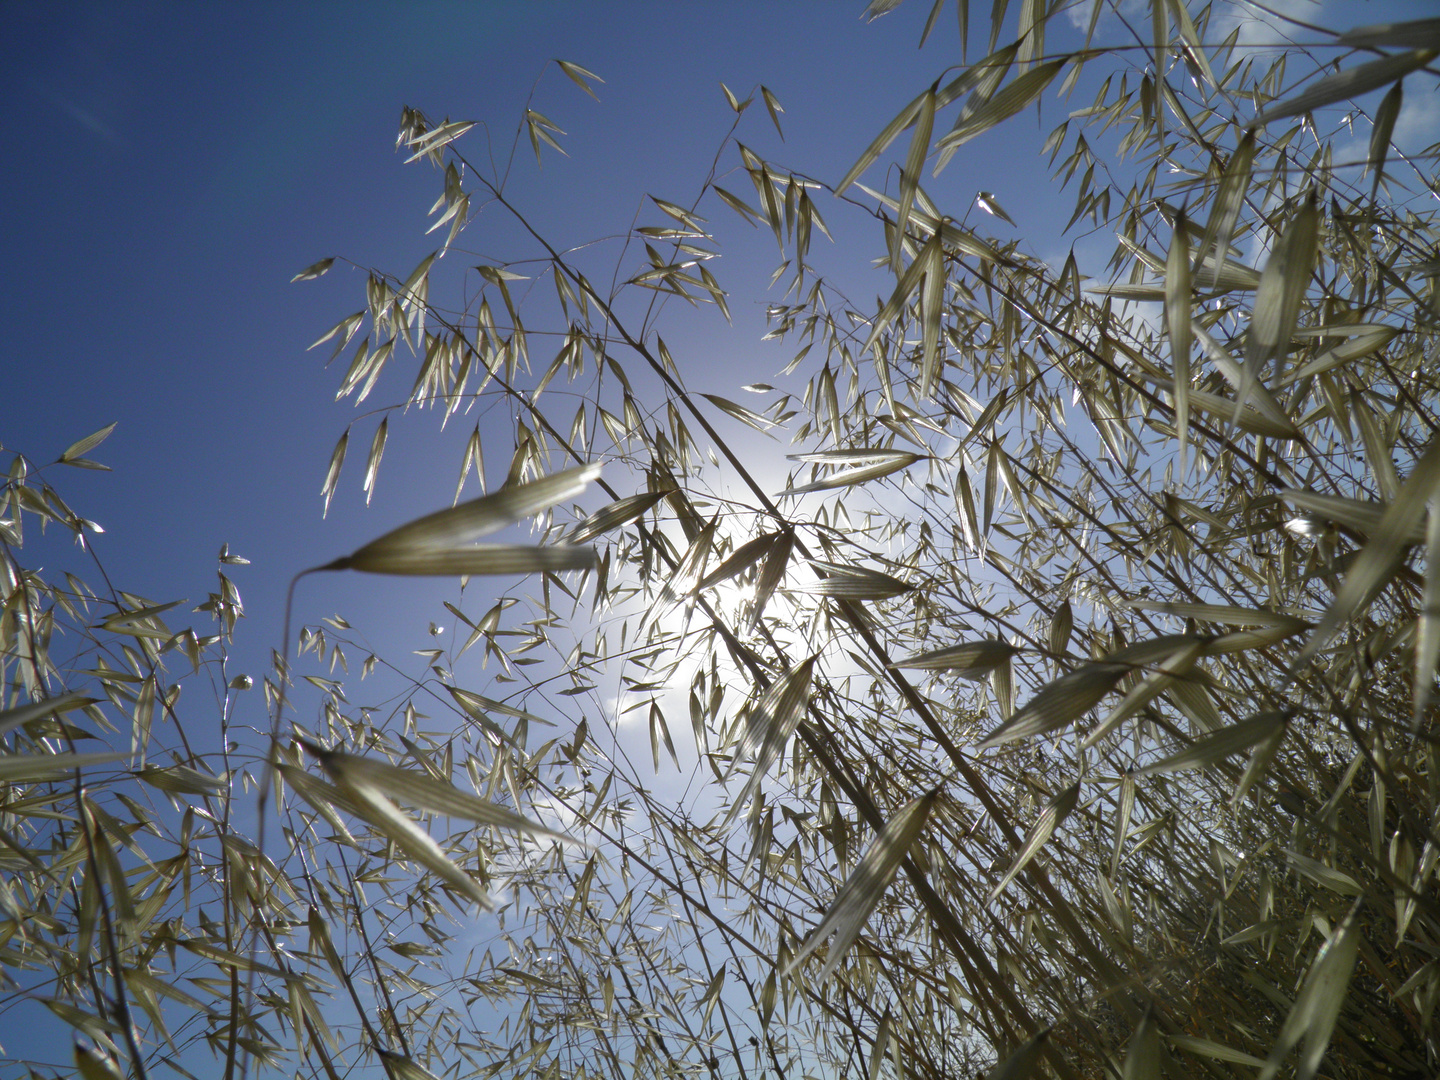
(1268, 25)
(1418, 124)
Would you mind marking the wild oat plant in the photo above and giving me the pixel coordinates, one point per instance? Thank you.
(1062, 704)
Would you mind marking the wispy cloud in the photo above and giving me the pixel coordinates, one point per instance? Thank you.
(1416, 128)
(81, 115)
(1267, 24)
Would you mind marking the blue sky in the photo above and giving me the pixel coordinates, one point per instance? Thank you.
(174, 165)
(171, 166)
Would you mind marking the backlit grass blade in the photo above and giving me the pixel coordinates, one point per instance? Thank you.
(1177, 321)
(1221, 613)
(477, 559)
(1142, 1057)
(76, 451)
(932, 296)
(1260, 759)
(1059, 703)
(1361, 515)
(1244, 417)
(866, 885)
(1219, 745)
(395, 825)
(894, 461)
(903, 119)
(1055, 812)
(691, 569)
(1418, 34)
(1282, 288)
(1383, 128)
(769, 724)
(1062, 624)
(910, 174)
(1349, 83)
(1381, 557)
(1174, 668)
(1427, 630)
(1021, 1064)
(332, 474)
(618, 513)
(23, 714)
(853, 583)
(1017, 95)
(490, 513)
(972, 660)
(890, 310)
(433, 544)
(772, 572)
(1312, 1019)
(1210, 1049)
(22, 768)
(1191, 36)
(1360, 341)
(353, 771)
(740, 560)
(1229, 199)
(860, 455)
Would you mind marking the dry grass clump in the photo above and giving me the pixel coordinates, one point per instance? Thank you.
(1067, 709)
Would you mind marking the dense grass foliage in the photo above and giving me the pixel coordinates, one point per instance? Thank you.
(1065, 707)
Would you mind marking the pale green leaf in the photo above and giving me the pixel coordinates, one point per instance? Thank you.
(24, 714)
(332, 474)
(866, 885)
(769, 723)
(314, 270)
(1349, 83)
(1383, 128)
(1059, 703)
(991, 205)
(1229, 199)
(1283, 283)
(618, 513)
(904, 119)
(579, 76)
(1222, 613)
(972, 660)
(372, 461)
(1018, 95)
(910, 173)
(1361, 340)
(1427, 630)
(894, 461)
(79, 449)
(852, 583)
(1172, 670)
(1213, 1050)
(772, 572)
(181, 780)
(1219, 745)
(1021, 1064)
(1312, 1019)
(431, 544)
(1177, 320)
(353, 772)
(1324, 875)
(1142, 1057)
(1055, 812)
(22, 768)
(1381, 556)
(740, 560)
